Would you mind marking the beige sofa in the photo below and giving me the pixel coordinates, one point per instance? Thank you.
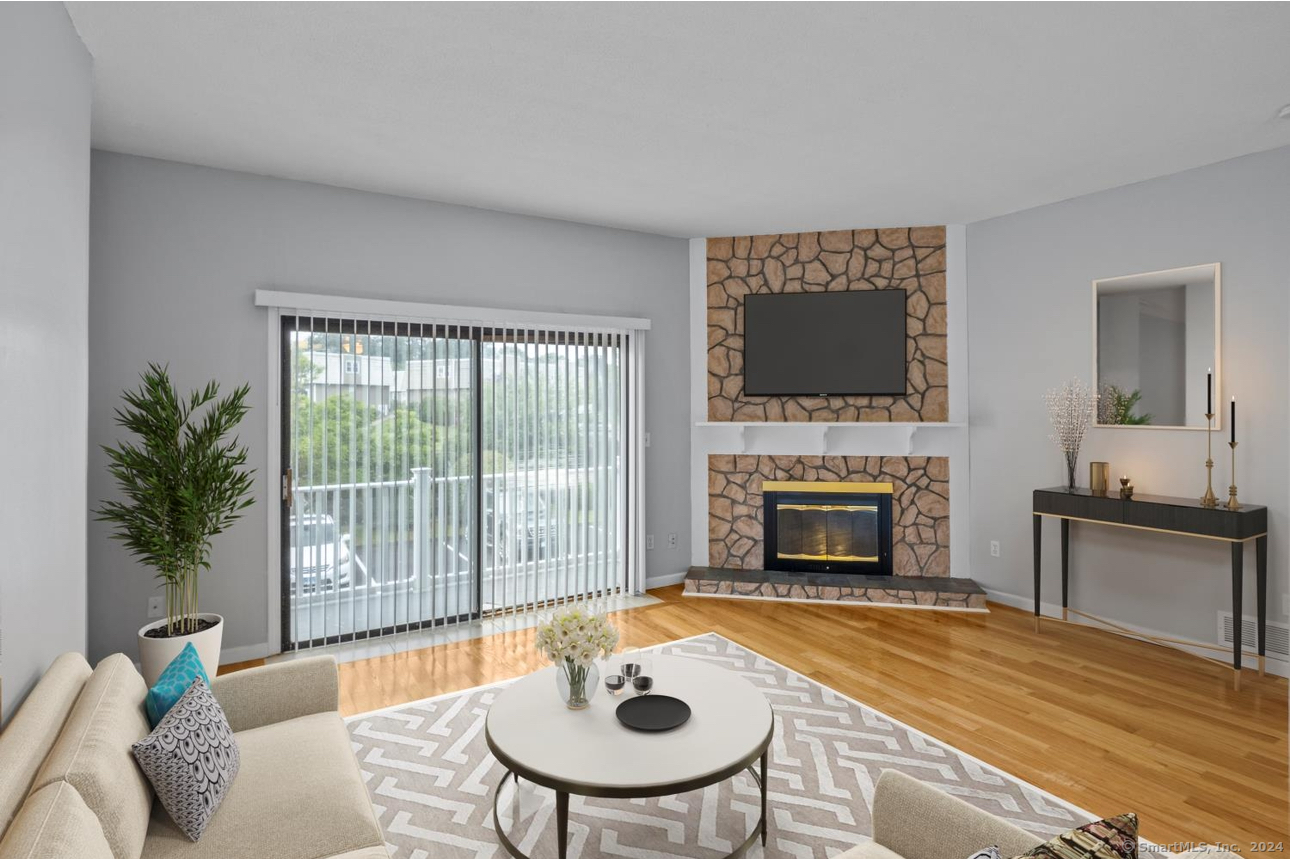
(912, 820)
(69, 786)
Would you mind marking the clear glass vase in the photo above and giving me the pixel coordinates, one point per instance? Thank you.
(577, 684)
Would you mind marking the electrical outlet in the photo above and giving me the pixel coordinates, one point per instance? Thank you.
(671, 541)
(646, 439)
(649, 542)
(994, 548)
(156, 607)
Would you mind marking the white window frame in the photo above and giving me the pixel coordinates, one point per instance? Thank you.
(279, 303)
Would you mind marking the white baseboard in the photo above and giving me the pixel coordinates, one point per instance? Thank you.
(245, 653)
(665, 580)
(1272, 664)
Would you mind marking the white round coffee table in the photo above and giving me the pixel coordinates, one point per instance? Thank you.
(590, 753)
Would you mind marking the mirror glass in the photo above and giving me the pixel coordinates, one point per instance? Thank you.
(1155, 337)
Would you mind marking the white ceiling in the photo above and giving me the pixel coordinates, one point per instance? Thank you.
(697, 119)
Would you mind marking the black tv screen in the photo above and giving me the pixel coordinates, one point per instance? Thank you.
(825, 344)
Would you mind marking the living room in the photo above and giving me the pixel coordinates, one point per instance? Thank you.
(559, 430)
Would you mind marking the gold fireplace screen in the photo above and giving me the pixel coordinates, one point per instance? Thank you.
(827, 532)
(828, 521)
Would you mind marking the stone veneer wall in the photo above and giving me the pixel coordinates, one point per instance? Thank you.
(912, 259)
(920, 504)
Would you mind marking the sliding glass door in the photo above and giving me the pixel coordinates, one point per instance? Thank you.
(436, 472)
(553, 481)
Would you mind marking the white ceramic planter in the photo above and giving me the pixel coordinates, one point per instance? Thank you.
(156, 653)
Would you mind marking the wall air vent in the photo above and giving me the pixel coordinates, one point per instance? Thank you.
(1278, 634)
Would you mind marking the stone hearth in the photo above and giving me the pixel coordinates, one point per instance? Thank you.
(943, 593)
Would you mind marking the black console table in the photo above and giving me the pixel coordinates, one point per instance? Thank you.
(1185, 516)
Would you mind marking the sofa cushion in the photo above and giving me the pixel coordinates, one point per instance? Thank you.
(870, 850)
(55, 823)
(92, 753)
(34, 728)
(279, 691)
(917, 821)
(298, 795)
(191, 759)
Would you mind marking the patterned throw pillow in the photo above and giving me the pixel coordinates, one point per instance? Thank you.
(174, 682)
(191, 759)
(991, 852)
(1113, 838)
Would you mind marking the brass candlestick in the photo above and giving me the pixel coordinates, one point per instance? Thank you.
(1209, 499)
(1232, 503)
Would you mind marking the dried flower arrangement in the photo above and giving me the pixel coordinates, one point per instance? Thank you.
(1070, 410)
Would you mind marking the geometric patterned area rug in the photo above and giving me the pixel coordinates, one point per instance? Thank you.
(431, 778)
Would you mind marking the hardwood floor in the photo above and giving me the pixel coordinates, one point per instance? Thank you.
(1107, 723)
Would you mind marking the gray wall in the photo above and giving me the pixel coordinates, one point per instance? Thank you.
(1119, 349)
(1163, 361)
(1029, 329)
(44, 244)
(177, 252)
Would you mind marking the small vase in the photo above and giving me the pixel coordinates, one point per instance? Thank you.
(576, 684)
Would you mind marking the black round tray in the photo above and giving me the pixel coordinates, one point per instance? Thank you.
(653, 713)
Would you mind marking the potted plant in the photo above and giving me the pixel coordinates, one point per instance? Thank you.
(183, 482)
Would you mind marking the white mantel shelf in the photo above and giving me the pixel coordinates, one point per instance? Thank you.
(819, 431)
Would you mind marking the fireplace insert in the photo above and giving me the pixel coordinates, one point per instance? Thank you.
(828, 527)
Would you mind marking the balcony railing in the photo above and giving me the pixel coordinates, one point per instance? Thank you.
(364, 558)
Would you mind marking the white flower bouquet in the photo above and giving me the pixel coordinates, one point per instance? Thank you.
(573, 639)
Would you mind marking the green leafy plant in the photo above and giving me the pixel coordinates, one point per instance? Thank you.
(183, 482)
(1115, 406)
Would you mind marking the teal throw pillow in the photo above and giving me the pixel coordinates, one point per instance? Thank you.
(174, 682)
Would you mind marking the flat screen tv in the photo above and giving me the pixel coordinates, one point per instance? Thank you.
(825, 344)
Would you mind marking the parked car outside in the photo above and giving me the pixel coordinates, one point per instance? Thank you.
(514, 523)
(320, 558)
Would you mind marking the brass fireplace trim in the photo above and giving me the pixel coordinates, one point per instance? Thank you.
(871, 559)
(826, 486)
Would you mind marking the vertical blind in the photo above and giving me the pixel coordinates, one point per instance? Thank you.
(441, 470)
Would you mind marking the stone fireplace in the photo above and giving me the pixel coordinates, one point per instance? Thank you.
(774, 531)
(919, 499)
(910, 259)
(836, 528)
